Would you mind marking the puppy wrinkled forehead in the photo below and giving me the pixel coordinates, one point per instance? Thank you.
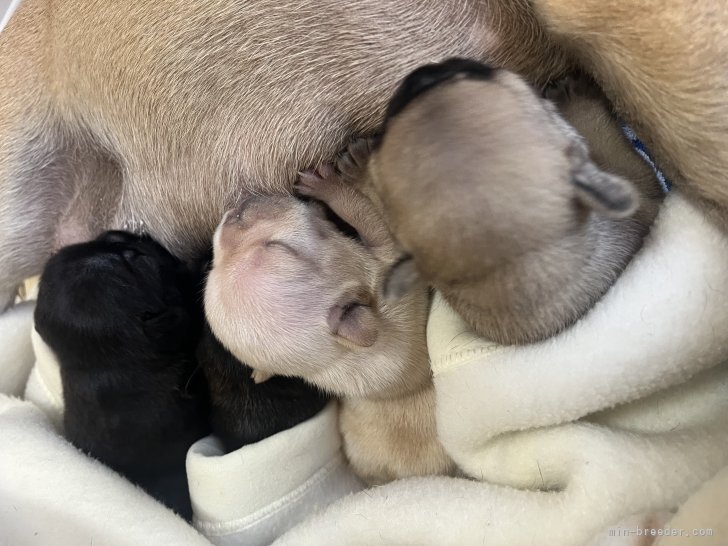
(270, 220)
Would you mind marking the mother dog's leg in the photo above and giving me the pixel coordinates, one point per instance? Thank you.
(54, 189)
(27, 161)
(26, 214)
(52, 194)
(664, 64)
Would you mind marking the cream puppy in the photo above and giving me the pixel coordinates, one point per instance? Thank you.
(290, 294)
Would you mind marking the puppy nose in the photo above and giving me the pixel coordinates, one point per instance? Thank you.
(235, 215)
(230, 217)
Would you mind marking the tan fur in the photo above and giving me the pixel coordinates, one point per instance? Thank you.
(197, 104)
(269, 302)
(388, 439)
(581, 103)
(281, 272)
(482, 183)
(664, 65)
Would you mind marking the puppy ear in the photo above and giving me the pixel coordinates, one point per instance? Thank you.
(400, 278)
(353, 319)
(603, 192)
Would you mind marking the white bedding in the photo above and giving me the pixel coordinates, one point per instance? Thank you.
(626, 413)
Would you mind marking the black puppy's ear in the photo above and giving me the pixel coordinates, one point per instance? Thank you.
(353, 319)
(167, 329)
(400, 278)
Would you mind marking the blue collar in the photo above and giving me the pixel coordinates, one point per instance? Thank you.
(639, 147)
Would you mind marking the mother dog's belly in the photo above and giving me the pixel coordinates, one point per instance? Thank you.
(199, 103)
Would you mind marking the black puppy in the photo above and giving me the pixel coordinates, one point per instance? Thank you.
(122, 316)
(244, 412)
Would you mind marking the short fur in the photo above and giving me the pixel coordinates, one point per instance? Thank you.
(119, 313)
(160, 116)
(243, 412)
(292, 295)
(497, 201)
(664, 66)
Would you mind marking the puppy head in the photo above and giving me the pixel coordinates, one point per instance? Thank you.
(474, 169)
(244, 412)
(117, 291)
(290, 295)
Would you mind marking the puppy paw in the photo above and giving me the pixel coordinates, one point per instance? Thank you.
(259, 376)
(319, 183)
(352, 162)
(571, 88)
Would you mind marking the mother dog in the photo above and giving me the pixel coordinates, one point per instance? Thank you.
(158, 115)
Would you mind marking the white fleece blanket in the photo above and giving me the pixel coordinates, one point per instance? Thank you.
(625, 413)
(51, 493)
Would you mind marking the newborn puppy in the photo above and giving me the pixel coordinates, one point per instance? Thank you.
(242, 411)
(291, 295)
(496, 201)
(120, 314)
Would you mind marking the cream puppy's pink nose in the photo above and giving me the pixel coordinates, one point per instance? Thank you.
(245, 222)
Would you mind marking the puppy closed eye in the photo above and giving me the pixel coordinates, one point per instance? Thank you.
(147, 316)
(281, 245)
